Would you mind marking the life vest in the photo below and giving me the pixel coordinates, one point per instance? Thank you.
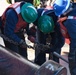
(21, 23)
(64, 32)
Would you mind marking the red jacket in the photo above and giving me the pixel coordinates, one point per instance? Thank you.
(21, 23)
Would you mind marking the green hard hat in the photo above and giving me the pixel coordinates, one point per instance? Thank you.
(46, 24)
(29, 12)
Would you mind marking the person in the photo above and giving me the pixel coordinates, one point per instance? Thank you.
(47, 28)
(67, 19)
(16, 18)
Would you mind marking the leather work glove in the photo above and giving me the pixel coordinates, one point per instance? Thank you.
(23, 44)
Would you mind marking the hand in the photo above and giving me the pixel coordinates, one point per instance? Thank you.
(45, 48)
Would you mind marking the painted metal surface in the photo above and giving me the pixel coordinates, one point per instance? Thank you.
(12, 63)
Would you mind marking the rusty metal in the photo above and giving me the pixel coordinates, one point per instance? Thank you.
(12, 63)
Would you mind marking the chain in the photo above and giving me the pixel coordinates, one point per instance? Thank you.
(15, 43)
(7, 39)
(11, 41)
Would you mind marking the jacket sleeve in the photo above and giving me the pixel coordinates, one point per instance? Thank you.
(10, 24)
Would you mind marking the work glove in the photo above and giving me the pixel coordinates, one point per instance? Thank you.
(23, 44)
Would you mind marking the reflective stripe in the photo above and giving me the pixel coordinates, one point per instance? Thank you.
(71, 17)
(18, 10)
(43, 11)
(16, 7)
(16, 4)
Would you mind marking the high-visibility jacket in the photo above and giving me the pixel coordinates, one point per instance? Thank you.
(21, 23)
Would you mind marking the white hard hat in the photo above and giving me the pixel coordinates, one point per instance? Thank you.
(60, 6)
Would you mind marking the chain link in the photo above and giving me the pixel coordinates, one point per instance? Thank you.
(9, 40)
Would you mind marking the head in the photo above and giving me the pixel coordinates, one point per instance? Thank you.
(61, 6)
(46, 24)
(29, 12)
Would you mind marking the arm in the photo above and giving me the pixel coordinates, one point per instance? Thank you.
(11, 20)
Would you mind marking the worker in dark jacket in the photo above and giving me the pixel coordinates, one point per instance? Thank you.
(15, 19)
(47, 27)
(66, 12)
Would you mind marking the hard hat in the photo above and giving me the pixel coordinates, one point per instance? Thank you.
(61, 6)
(29, 12)
(46, 24)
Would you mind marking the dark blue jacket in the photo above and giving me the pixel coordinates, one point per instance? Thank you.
(10, 25)
(57, 38)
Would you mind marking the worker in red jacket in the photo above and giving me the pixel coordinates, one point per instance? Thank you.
(16, 18)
